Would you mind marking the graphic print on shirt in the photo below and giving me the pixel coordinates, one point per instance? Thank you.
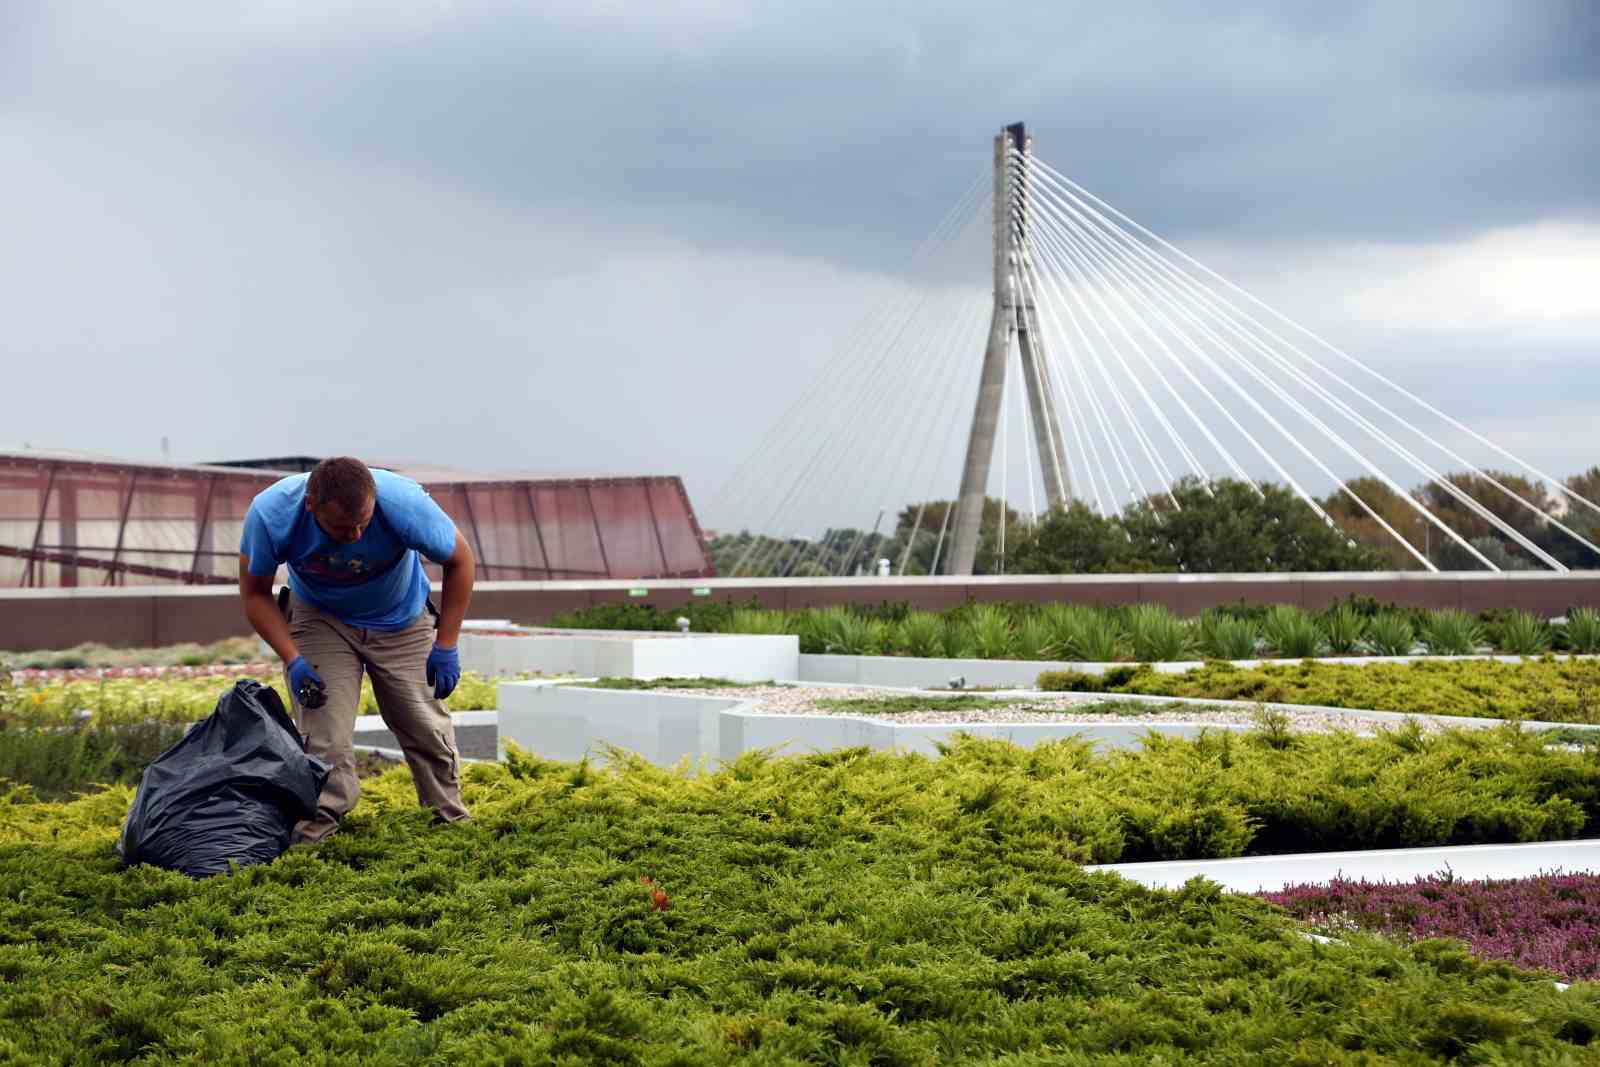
(337, 569)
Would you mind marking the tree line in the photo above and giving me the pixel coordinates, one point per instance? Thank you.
(1224, 526)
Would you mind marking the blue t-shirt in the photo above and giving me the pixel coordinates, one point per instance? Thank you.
(376, 583)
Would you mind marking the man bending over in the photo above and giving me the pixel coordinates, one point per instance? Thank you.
(358, 601)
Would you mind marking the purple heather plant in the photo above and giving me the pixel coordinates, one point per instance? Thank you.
(1547, 923)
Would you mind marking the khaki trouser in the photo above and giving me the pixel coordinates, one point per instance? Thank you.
(396, 661)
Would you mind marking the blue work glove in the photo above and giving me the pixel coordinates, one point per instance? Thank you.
(306, 684)
(444, 671)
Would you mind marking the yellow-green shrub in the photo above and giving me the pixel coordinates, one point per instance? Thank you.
(119, 701)
(1544, 689)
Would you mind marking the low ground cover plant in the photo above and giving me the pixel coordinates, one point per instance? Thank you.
(1547, 690)
(849, 907)
(1550, 923)
(668, 683)
(230, 650)
(125, 701)
(1138, 633)
(59, 762)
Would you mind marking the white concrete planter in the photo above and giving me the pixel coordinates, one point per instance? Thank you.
(912, 672)
(567, 721)
(596, 654)
(1257, 874)
(564, 720)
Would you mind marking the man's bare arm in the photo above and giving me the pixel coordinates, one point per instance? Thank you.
(263, 613)
(459, 570)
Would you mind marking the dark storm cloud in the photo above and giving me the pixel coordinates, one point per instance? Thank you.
(837, 131)
(594, 236)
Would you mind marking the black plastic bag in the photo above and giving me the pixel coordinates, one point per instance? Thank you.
(231, 790)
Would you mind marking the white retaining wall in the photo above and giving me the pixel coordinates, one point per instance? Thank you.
(1269, 874)
(744, 658)
(914, 673)
(565, 721)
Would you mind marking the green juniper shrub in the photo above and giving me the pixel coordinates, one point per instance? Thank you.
(850, 907)
(1125, 675)
(1070, 682)
(1547, 690)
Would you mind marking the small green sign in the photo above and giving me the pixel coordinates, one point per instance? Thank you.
(701, 590)
(638, 592)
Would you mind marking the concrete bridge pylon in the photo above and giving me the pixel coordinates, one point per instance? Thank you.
(1015, 319)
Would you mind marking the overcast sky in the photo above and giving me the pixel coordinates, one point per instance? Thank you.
(611, 237)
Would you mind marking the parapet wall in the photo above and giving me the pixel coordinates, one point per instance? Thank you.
(138, 617)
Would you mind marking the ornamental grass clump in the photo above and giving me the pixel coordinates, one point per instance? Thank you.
(1034, 638)
(1547, 923)
(1223, 636)
(921, 633)
(1523, 635)
(1156, 634)
(841, 632)
(1343, 628)
(1390, 633)
(1083, 633)
(1451, 632)
(1583, 630)
(758, 621)
(1290, 632)
(989, 632)
(847, 907)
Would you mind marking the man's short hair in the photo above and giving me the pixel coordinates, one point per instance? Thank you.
(344, 481)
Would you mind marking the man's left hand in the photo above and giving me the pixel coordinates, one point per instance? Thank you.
(444, 671)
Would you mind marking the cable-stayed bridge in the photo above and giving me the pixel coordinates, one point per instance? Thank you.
(1101, 364)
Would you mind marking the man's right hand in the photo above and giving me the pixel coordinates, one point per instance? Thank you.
(306, 684)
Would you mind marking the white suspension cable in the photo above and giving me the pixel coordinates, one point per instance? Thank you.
(1145, 293)
(864, 415)
(1255, 405)
(1057, 236)
(1161, 470)
(1182, 446)
(1053, 228)
(1075, 416)
(1119, 456)
(961, 343)
(1219, 311)
(1087, 395)
(1561, 487)
(892, 323)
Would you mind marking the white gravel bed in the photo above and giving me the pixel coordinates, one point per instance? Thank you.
(1011, 708)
